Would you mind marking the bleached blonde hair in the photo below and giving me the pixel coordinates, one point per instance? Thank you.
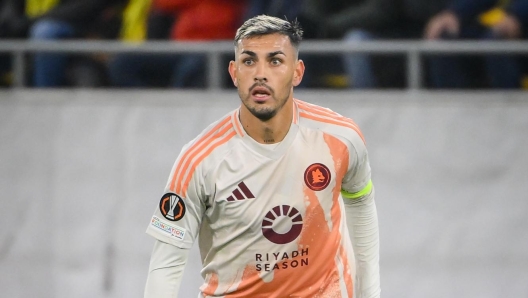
(264, 24)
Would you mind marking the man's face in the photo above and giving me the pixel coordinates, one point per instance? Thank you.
(265, 71)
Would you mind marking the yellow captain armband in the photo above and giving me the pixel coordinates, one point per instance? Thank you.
(355, 195)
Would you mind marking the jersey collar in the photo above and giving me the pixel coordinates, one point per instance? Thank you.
(235, 119)
(272, 152)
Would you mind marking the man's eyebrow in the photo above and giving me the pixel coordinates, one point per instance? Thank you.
(272, 54)
(249, 53)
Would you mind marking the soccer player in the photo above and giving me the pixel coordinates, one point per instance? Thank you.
(278, 192)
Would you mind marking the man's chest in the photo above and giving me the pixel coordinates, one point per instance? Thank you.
(271, 196)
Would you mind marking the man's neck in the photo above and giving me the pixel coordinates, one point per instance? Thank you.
(268, 132)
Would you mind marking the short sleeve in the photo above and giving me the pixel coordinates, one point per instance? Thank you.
(357, 178)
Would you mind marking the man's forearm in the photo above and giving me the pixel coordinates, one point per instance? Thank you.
(166, 268)
(362, 222)
(519, 9)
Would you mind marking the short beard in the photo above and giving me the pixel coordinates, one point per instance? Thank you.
(265, 114)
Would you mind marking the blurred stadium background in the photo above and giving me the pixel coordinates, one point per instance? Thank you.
(81, 171)
(83, 165)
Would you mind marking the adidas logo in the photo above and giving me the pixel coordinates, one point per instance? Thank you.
(241, 193)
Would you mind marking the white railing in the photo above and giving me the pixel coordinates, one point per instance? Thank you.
(413, 50)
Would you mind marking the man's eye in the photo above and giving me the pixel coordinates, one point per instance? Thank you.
(248, 62)
(276, 61)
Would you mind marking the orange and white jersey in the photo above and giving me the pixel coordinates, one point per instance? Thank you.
(269, 219)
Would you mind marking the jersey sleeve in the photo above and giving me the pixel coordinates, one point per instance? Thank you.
(178, 214)
(167, 263)
(356, 182)
(362, 218)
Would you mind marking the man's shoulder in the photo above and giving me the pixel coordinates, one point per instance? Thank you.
(317, 112)
(324, 119)
(212, 137)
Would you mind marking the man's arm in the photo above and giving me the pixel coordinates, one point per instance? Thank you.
(519, 9)
(362, 223)
(165, 271)
(448, 22)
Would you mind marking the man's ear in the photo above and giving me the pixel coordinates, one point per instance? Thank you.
(232, 72)
(298, 73)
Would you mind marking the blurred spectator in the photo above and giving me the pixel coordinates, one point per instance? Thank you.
(289, 9)
(204, 20)
(409, 22)
(463, 20)
(134, 22)
(414, 14)
(364, 20)
(139, 23)
(8, 29)
(47, 20)
(353, 21)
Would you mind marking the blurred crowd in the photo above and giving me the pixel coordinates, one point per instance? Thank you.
(351, 21)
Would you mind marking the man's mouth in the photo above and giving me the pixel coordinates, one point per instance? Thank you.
(260, 92)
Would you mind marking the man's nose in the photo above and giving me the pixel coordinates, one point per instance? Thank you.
(260, 75)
